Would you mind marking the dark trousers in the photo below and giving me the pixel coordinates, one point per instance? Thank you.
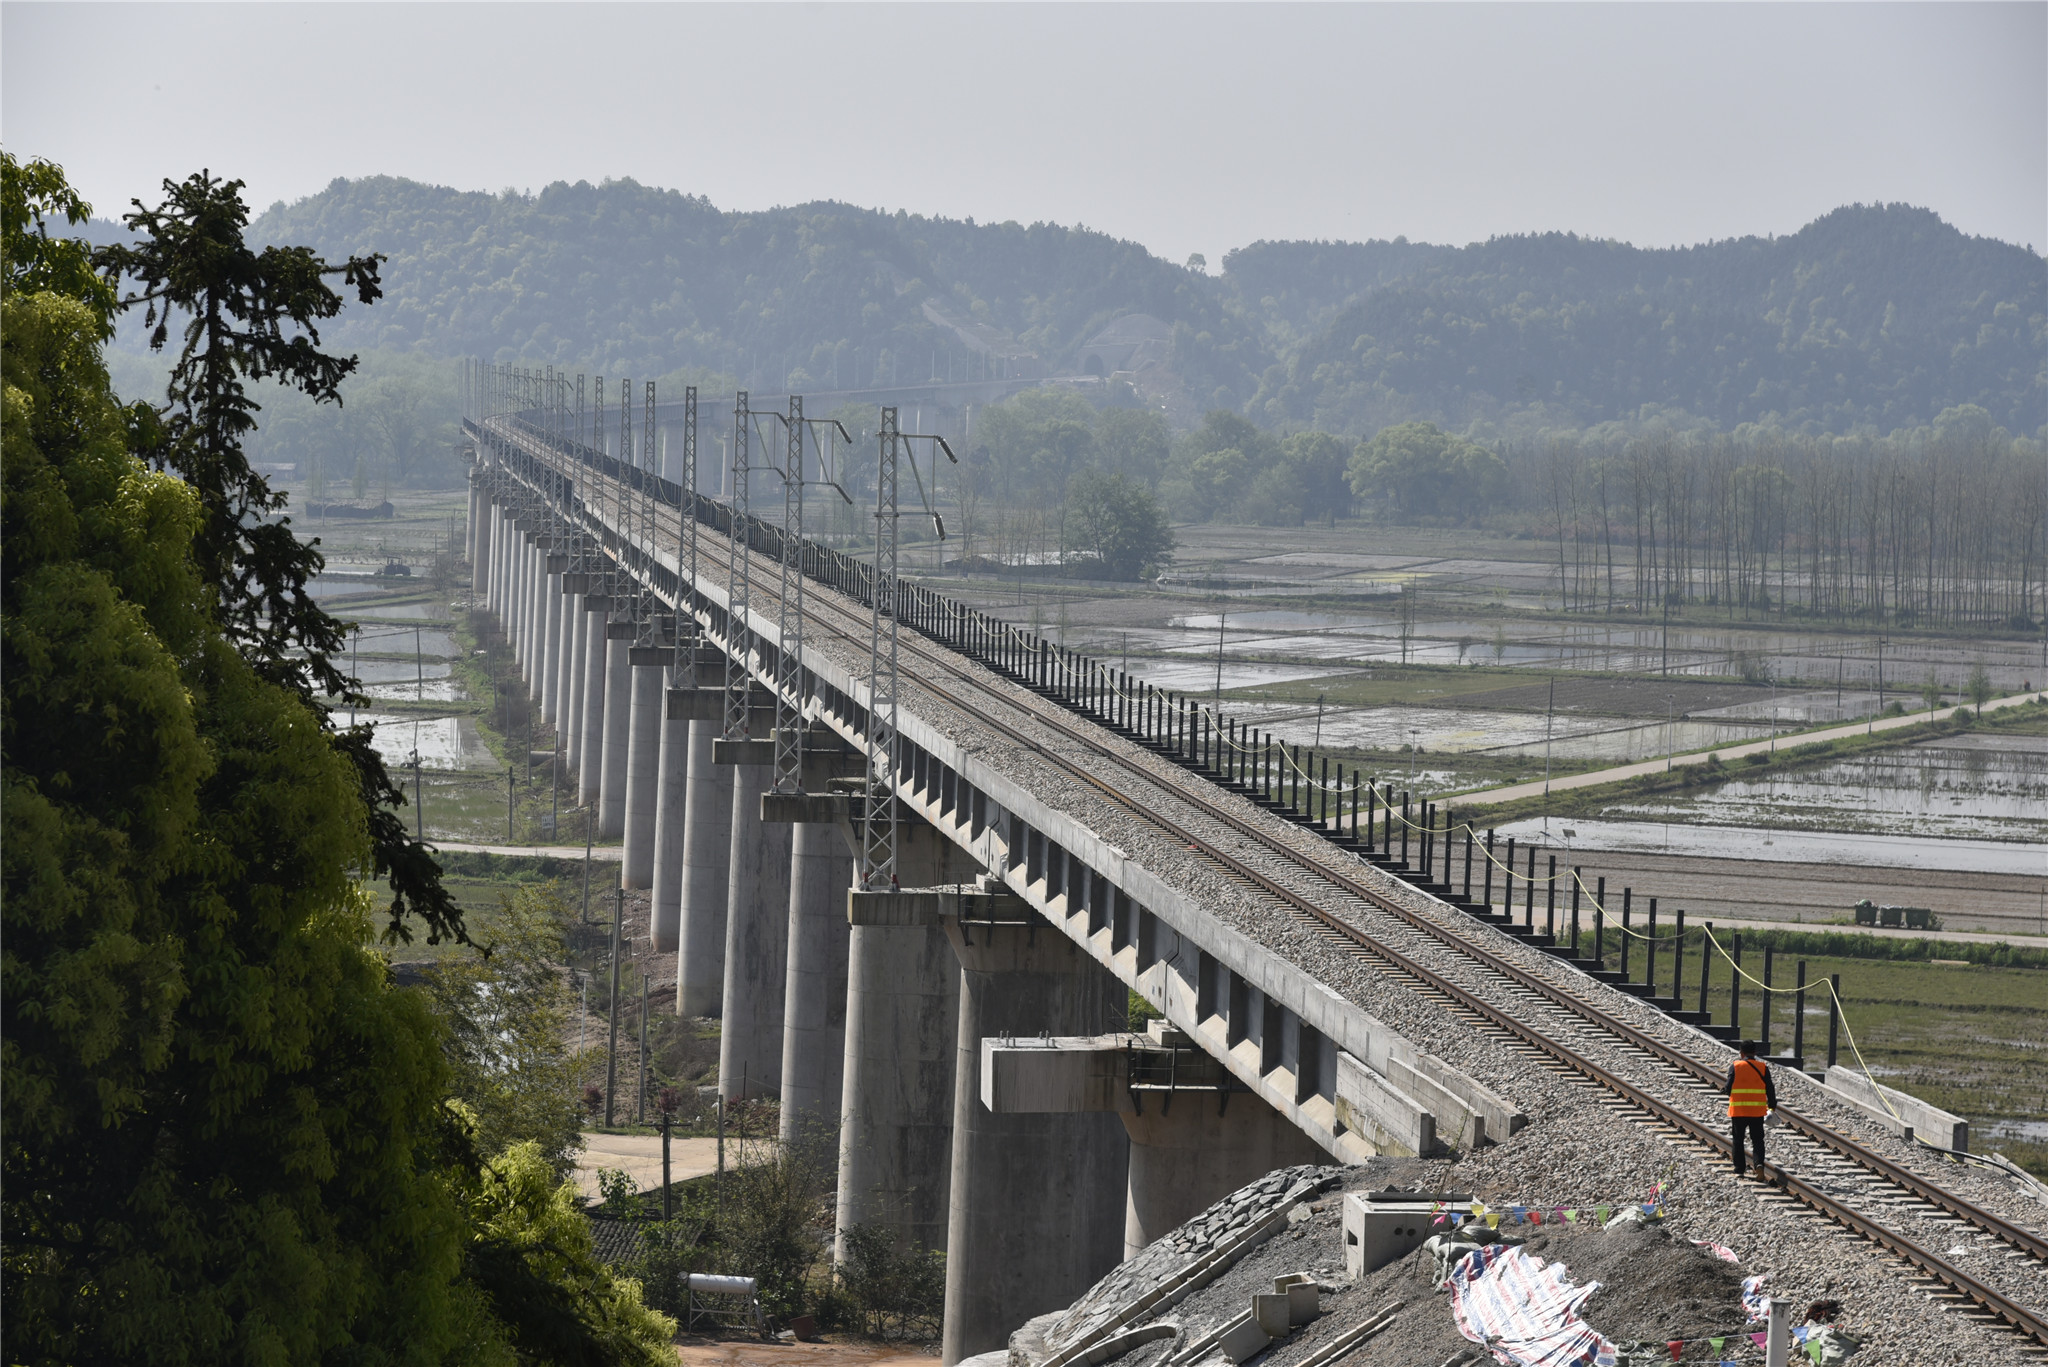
(1753, 1125)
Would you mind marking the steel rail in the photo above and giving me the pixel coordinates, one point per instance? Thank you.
(2017, 1316)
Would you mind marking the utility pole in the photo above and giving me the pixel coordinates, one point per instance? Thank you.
(611, 1066)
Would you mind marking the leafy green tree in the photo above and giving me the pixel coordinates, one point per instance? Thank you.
(253, 316)
(1118, 522)
(1133, 442)
(1979, 687)
(38, 263)
(506, 1015)
(223, 1136)
(1425, 471)
(532, 1257)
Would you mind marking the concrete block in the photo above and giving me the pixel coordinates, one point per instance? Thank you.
(1927, 1122)
(1244, 1340)
(1304, 1302)
(644, 656)
(1377, 1232)
(1383, 1116)
(1502, 1116)
(896, 907)
(1066, 1073)
(1271, 1313)
(801, 809)
(751, 752)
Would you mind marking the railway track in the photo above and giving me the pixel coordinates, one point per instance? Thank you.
(1545, 1014)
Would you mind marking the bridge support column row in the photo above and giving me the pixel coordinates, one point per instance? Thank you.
(551, 657)
(671, 815)
(618, 722)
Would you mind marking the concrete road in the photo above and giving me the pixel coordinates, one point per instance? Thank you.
(1726, 753)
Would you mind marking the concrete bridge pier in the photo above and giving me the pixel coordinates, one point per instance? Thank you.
(902, 1029)
(567, 663)
(1035, 1217)
(551, 655)
(649, 666)
(814, 998)
(618, 723)
(590, 754)
(670, 822)
(522, 619)
(479, 543)
(1192, 1152)
(756, 941)
(537, 619)
(707, 849)
(494, 557)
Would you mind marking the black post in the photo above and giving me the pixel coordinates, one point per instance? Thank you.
(1764, 1008)
(1355, 785)
(1625, 892)
(1678, 961)
(1489, 871)
(1834, 1012)
(1372, 816)
(1549, 898)
(1735, 982)
(1468, 863)
(1404, 830)
(1799, 1016)
(1650, 948)
(1706, 969)
(1575, 911)
(1600, 924)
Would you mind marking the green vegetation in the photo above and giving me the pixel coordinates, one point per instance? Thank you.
(506, 1015)
(228, 1136)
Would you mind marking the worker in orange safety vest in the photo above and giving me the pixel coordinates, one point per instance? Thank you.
(1751, 1096)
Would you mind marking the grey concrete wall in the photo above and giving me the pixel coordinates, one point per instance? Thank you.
(670, 818)
(1035, 1212)
(756, 942)
(707, 848)
(643, 763)
(814, 999)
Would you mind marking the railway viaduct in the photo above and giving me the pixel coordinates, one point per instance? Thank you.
(916, 860)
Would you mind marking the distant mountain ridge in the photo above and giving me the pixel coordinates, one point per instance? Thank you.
(1873, 315)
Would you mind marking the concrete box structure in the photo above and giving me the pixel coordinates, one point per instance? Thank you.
(1380, 1227)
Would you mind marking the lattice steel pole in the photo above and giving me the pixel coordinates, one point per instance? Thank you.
(789, 659)
(738, 581)
(686, 539)
(622, 511)
(600, 581)
(650, 627)
(878, 819)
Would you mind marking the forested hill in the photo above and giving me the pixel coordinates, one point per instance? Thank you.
(1873, 315)
(624, 277)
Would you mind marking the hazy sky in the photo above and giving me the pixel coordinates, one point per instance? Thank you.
(1186, 127)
